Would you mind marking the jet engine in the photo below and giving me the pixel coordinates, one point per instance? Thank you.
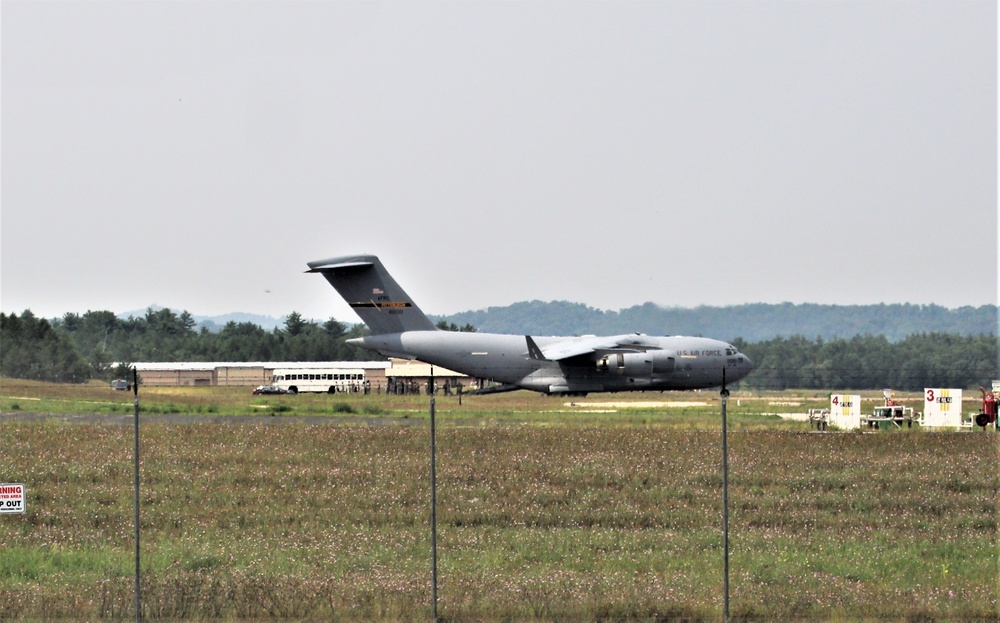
(637, 364)
(663, 361)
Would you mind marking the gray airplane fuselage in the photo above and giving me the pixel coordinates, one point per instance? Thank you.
(676, 363)
(552, 365)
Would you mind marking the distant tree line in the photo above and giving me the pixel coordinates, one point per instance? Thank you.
(755, 322)
(77, 347)
(30, 348)
(873, 362)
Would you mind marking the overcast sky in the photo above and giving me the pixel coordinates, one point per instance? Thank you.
(196, 155)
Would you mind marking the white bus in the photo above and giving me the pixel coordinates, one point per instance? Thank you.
(322, 380)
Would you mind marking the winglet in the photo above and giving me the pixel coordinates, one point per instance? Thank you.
(533, 351)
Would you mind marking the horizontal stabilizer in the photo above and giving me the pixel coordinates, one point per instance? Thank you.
(334, 264)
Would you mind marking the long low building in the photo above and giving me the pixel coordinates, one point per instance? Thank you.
(250, 374)
(242, 374)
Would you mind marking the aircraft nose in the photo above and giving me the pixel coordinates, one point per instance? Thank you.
(744, 366)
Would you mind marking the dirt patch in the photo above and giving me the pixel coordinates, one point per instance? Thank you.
(177, 418)
(637, 405)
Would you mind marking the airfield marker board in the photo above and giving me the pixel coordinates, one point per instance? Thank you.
(11, 498)
(942, 407)
(845, 411)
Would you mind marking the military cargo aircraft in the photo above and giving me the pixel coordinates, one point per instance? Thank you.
(551, 365)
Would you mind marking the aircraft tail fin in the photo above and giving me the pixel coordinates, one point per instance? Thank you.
(373, 294)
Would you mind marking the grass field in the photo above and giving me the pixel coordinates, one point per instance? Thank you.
(695, 410)
(546, 511)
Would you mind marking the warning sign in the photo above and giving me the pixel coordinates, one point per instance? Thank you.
(11, 498)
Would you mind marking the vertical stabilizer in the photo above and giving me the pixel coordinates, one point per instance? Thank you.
(373, 294)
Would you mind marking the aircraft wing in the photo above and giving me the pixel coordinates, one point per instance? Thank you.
(575, 346)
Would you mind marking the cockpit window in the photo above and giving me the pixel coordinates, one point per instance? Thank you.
(731, 351)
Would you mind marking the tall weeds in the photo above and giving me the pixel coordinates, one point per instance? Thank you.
(256, 522)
